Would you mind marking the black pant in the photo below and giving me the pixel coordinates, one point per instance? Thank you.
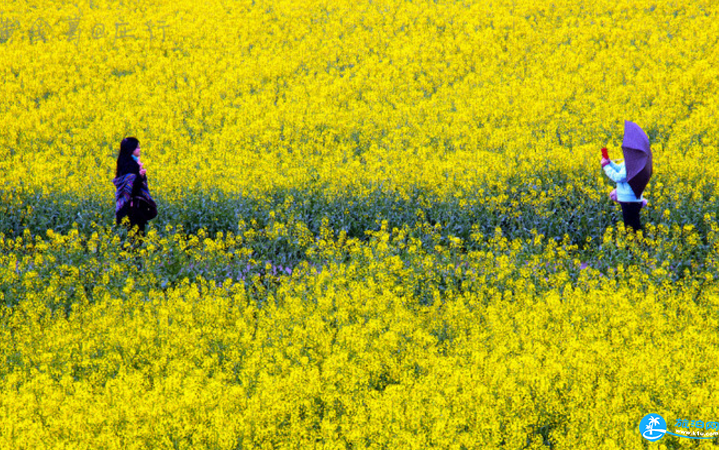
(134, 221)
(630, 211)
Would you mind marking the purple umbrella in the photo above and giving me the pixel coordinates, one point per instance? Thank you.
(637, 157)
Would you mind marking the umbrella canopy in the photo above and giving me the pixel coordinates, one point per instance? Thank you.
(637, 157)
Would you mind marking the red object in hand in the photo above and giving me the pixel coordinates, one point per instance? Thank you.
(605, 153)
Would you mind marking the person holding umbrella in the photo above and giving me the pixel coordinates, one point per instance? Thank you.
(632, 175)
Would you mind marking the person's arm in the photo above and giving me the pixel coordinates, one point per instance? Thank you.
(140, 178)
(137, 185)
(616, 172)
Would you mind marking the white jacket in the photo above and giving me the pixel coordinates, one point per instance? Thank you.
(618, 174)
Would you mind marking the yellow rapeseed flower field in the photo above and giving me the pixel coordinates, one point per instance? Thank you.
(383, 224)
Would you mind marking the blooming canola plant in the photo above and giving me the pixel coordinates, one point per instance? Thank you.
(382, 224)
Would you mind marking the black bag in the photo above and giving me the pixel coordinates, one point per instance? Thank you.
(143, 208)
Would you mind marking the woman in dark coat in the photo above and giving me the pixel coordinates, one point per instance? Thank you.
(131, 184)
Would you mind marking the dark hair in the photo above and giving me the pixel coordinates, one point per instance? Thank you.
(125, 163)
